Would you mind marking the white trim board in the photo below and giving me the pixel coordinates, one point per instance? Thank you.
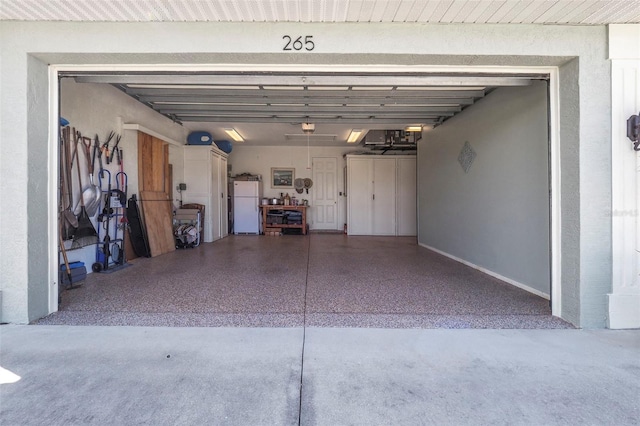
(133, 126)
(488, 272)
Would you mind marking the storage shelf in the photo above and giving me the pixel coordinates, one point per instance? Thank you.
(269, 208)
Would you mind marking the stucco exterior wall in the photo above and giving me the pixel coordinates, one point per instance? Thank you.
(585, 110)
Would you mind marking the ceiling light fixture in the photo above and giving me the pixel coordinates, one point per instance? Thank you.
(308, 128)
(234, 134)
(413, 129)
(354, 135)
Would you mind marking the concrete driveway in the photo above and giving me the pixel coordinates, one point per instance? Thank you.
(65, 375)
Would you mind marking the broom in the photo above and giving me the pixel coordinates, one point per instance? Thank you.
(85, 233)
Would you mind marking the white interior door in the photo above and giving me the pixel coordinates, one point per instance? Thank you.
(384, 196)
(325, 194)
(215, 196)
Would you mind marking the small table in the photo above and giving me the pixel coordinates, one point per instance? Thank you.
(266, 209)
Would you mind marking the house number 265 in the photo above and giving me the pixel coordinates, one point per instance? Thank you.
(299, 43)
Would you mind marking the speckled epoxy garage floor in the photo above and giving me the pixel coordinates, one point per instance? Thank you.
(318, 280)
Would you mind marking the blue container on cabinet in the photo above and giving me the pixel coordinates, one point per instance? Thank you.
(224, 146)
(199, 138)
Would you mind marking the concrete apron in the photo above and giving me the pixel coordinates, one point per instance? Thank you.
(251, 376)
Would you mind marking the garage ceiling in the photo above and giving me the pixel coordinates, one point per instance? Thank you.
(579, 12)
(269, 108)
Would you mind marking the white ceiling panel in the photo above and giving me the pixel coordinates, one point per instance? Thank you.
(377, 10)
(553, 12)
(490, 9)
(474, 13)
(403, 12)
(354, 10)
(520, 14)
(578, 12)
(416, 10)
(505, 14)
(613, 13)
(440, 10)
(265, 9)
(453, 11)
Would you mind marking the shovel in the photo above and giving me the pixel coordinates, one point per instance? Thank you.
(70, 221)
(85, 234)
(91, 194)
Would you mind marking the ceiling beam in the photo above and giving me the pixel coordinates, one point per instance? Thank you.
(186, 91)
(308, 80)
(297, 120)
(334, 110)
(174, 100)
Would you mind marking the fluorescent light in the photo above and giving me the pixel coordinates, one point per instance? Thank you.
(413, 129)
(354, 135)
(234, 135)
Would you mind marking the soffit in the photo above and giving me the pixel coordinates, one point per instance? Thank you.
(572, 12)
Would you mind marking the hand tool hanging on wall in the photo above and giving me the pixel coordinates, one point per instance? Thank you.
(97, 149)
(85, 234)
(66, 260)
(105, 147)
(91, 194)
(114, 150)
(69, 220)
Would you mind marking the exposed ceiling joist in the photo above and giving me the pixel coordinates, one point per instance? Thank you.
(275, 110)
(396, 122)
(261, 100)
(350, 93)
(307, 80)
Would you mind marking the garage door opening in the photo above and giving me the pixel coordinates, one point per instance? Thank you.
(442, 226)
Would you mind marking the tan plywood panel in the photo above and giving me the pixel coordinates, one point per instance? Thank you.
(153, 163)
(158, 214)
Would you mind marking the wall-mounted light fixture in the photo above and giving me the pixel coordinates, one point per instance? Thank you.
(234, 134)
(354, 135)
(413, 129)
(633, 131)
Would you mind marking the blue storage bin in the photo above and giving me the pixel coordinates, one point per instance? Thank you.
(224, 146)
(199, 138)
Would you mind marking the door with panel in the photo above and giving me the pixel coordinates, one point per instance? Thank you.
(359, 196)
(325, 193)
(406, 196)
(384, 196)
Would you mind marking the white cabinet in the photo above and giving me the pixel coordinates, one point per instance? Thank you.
(205, 173)
(359, 196)
(406, 197)
(381, 195)
(224, 203)
(384, 197)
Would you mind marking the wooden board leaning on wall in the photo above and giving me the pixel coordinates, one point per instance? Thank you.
(158, 218)
(154, 187)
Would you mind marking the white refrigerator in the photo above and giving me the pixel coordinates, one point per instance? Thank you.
(246, 207)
